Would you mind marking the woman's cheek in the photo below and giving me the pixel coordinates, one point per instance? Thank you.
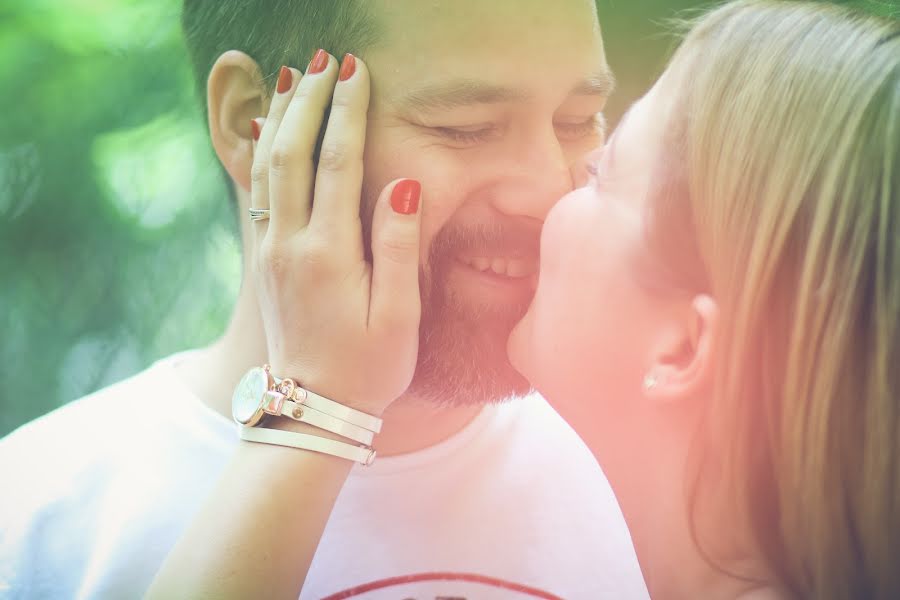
(590, 302)
(561, 311)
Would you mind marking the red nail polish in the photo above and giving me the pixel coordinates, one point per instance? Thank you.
(285, 77)
(255, 129)
(405, 197)
(348, 67)
(318, 62)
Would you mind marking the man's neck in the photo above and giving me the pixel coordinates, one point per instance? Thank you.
(213, 372)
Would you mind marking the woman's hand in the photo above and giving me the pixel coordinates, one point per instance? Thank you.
(341, 327)
(345, 329)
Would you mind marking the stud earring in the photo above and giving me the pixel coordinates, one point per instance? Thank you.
(651, 380)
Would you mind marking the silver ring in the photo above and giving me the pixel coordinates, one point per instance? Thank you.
(259, 214)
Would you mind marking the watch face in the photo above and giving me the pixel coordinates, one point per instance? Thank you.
(246, 404)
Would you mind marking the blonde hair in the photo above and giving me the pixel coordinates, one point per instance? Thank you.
(779, 196)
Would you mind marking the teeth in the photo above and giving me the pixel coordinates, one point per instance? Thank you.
(480, 263)
(507, 267)
(517, 268)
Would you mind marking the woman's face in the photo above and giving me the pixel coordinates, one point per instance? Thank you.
(584, 341)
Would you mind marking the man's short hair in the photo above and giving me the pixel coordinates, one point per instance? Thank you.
(273, 32)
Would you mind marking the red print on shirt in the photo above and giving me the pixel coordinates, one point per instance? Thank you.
(476, 582)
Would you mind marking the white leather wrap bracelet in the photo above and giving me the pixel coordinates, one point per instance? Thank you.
(331, 408)
(311, 416)
(305, 441)
(260, 393)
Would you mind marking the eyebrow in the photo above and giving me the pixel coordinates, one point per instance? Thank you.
(602, 84)
(467, 92)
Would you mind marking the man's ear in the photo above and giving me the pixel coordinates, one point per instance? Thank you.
(235, 94)
(684, 354)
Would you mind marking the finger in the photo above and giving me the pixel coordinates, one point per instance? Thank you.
(256, 126)
(338, 183)
(394, 301)
(293, 149)
(288, 79)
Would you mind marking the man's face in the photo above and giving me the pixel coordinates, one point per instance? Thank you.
(488, 104)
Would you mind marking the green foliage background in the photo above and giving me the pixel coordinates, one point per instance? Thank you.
(117, 239)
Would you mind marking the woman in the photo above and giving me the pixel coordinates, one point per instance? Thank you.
(742, 293)
(718, 316)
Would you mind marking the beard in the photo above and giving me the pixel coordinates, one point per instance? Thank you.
(462, 358)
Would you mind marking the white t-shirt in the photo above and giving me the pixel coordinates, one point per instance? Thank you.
(95, 494)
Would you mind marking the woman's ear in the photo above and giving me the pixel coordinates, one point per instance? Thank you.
(235, 94)
(683, 360)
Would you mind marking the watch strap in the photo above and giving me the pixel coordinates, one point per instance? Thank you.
(305, 441)
(334, 409)
(311, 416)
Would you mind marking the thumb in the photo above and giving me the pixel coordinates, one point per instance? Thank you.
(394, 301)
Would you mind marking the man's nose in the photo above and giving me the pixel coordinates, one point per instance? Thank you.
(540, 175)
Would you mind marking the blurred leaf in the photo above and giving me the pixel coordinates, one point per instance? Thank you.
(114, 218)
(150, 172)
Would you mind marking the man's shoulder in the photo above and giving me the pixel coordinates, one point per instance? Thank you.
(531, 421)
(100, 487)
(534, 408)
(524, 447)
(88, 414)
(535, 457)
(100, 436)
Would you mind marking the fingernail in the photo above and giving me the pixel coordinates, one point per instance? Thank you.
(348, 67)
(405, 197)
(318, 63)
(285, 77)
(255, 129)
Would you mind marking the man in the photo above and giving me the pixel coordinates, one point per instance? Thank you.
(489, 105)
